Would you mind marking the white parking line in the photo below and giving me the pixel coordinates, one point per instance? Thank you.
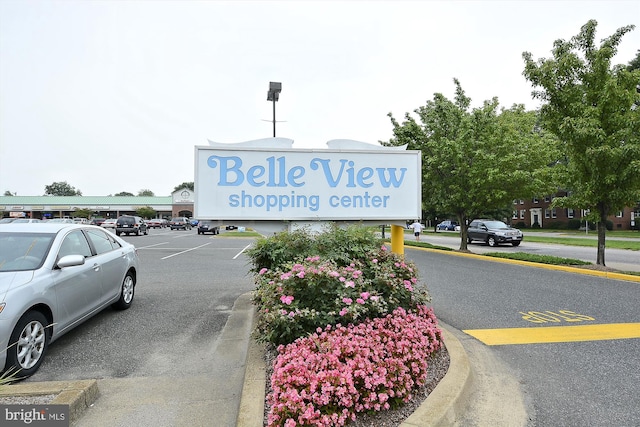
(188, 250)
(151, 246)
(243, 249)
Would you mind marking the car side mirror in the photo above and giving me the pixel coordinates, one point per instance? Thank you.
(70, 261)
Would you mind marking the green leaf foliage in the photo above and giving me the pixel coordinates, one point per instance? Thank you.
(477, 160)
(591, 106)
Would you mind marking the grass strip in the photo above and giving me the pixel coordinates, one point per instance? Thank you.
(540, 259)
(580, 241)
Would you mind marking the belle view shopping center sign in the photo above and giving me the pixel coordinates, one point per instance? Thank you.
(268, 180)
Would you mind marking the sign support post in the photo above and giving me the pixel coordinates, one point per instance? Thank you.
(397, 240)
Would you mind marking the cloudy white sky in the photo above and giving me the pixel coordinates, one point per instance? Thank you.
(112, 96)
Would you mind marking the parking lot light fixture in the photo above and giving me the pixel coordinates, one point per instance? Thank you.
(272, 95)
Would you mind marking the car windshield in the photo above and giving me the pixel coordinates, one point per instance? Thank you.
(23, 251)
(496, 224)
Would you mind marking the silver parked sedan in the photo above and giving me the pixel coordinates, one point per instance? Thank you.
(53, 277)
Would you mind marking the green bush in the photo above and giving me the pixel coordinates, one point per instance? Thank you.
(340, 276)
(555, 225)
(574, 224)
(521, 225)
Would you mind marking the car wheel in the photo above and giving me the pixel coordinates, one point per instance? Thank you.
(491, 240)
(127, 291)
(515, 243)
(117, 233)
(469, 240)
(28, 344)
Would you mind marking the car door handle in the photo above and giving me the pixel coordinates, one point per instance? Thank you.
(96, 267)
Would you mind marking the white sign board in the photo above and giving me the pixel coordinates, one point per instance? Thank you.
(243, 183)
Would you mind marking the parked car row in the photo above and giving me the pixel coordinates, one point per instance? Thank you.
(132, 224)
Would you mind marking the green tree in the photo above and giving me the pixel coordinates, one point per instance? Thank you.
(476, 160)
(189, 185)
(145, 193)
(634, 64)
(589, 105)
(61, 189)
(124, 194)
(9, 193)
(146, 212)
(83, 213)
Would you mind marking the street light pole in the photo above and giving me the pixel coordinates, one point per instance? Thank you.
(272, 95)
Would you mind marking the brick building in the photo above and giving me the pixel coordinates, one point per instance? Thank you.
(538, 211)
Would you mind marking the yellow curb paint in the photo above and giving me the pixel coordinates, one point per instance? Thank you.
(551, 334)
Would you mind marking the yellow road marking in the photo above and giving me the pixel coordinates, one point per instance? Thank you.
(614, 331)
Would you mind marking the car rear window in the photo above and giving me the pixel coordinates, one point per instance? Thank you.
(126, 220)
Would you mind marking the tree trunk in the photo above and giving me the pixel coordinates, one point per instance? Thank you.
(602, 230)
(462, 219)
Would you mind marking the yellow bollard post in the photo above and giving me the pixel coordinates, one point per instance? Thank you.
(397, 240)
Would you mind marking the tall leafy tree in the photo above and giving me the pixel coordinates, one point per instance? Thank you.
(146, 193)
(589, 105)
(476, 160)
(124, 193)
(61, 189)
(189, 185)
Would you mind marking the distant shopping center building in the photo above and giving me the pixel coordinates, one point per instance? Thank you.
(180, 203)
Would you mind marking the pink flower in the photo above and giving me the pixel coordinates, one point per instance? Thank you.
(286, 299)
(343, 312)
(263, 270)
(300, 275)
(350, 284)
(347, 301)
(375, 260)
(360, 301)
(365, 295)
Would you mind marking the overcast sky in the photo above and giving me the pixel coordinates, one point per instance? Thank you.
(112, 96)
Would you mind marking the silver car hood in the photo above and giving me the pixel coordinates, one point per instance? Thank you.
(13, 279)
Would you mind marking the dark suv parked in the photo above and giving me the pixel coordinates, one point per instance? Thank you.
(208, 227)
(180, 223)
(131, 225)
(493, 232)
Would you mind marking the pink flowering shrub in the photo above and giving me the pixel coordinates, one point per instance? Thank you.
(296, 299)
(326, 378)
(307, 287)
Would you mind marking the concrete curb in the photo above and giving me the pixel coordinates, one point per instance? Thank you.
(441, 408)
(448, 400)
(77, 394)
